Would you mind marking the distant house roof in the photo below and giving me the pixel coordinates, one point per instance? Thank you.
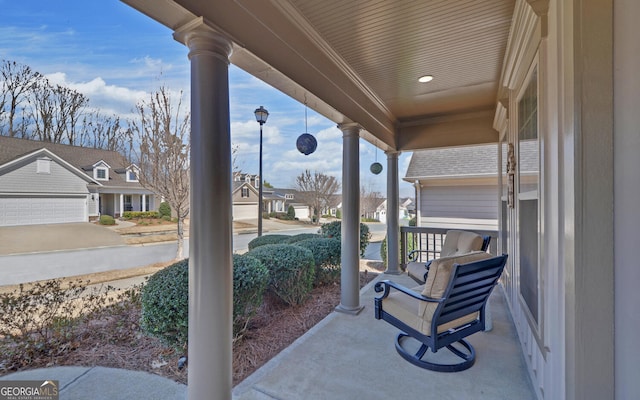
(82, 158)
(468, 161)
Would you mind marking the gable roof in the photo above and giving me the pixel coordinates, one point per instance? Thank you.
(467, 161)
(78, 157)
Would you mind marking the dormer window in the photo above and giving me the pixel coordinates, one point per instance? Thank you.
(101, 173)
(132, 175)
(288, 196)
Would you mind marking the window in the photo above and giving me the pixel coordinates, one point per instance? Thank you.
(245, 192)
(101, 174)
(528, 213)
(288, 196)
(128, 204)
(132, 176)
(43, 166)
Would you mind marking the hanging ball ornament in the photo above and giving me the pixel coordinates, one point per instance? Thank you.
(376, 168)
(306, 144)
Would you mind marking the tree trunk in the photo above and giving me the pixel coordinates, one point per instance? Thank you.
(179, 255)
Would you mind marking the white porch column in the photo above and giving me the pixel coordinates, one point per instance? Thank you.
(121, 204)
(143, 200)
(392, 214)
(350, 275)
(210, 250)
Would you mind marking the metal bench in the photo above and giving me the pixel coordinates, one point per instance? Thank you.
(448, 308)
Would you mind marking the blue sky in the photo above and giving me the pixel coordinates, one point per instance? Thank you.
(115, 56)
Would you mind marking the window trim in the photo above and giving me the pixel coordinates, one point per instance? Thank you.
(96, 173)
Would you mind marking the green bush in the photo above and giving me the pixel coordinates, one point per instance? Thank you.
(326, 256)
(291, 213)
(334, 230)
(267, 239)
(383, 247)
(165, 299)
(165, 305)
(291, 270)
(107, 220)
(302, 236)
(164, 210)
(250, 279)
(139, 214)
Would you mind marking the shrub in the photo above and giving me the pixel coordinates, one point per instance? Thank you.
(127, 215)
(334, 230)
(326, 256)
(41, 321)
(165, 299)
(165, 305)
(267, 239)
(291, 270)
(291, 213)
(107, 220)
(302, 236)
(164, 210)
(250, 279)
(410, 246)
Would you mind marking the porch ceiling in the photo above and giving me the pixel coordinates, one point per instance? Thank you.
(359, 61)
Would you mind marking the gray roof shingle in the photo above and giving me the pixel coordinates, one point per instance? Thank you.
(480, 160)
(79, 157)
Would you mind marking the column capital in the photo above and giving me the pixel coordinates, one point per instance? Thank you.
(392, 153)
(350, 128)
(202, 38)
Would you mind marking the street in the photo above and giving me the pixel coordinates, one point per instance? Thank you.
(30, 267)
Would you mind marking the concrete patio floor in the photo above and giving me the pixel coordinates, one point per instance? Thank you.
(353, 357)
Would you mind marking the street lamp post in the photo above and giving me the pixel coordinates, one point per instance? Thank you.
(261, 116)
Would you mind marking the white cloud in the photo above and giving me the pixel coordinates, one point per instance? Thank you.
(110, 99)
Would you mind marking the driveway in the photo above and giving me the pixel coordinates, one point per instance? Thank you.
(51, 237)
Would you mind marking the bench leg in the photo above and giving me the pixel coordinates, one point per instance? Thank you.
(468, 357)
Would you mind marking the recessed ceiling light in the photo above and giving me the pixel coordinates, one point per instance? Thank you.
(425, 78)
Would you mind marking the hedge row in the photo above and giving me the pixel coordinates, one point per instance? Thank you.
(288, 266)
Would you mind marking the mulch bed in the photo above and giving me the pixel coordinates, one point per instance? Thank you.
(116, 341)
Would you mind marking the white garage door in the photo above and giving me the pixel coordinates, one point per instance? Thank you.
(245, 211)
(31, 211)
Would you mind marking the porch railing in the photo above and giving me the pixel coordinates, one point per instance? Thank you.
(421, 244)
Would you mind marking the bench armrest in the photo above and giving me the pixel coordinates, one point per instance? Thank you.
(386, 286)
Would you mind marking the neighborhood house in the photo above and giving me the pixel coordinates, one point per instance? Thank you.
(46, 183)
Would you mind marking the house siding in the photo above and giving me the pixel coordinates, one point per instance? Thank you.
(459, 206)
(60, 180)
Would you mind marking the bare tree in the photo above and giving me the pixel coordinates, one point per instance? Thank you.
(162, 132)
(316, 190)
(56, 110)
(104, 132)
(16, 84)
(369, 201)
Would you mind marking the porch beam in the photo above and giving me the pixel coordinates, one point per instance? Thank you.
(452, 130)
(210, 250)
(392, 213)
(350, 271)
